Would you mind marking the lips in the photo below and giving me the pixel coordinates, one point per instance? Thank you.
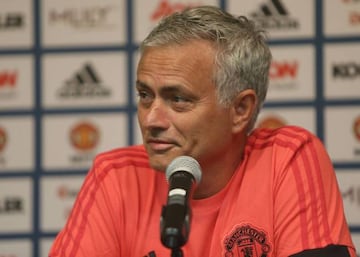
(159, 145)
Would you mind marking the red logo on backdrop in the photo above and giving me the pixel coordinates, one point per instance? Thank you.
(356, 128)
(354, 18)
(165, 8)
(2, 139)
(272, 122)
(281, 70)
(65, 192)
(8, 79)
(62, 192)
(84, 136)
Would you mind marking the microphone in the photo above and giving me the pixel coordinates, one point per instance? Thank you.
(182, 173)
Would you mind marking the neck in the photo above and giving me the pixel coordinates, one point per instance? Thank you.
(216, 174)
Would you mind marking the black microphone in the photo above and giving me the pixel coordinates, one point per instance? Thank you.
(182, 174)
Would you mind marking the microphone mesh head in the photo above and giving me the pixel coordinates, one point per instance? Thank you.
(184, 163)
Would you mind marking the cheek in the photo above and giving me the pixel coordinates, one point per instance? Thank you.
(190, 130)
(203, 130)
(141, 116)
(218, 127)
(139, 119)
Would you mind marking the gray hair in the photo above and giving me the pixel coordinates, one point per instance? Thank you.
(242, 55)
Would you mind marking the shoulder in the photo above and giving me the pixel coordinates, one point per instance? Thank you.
(283, 145)
(135, 156)
(291, 137)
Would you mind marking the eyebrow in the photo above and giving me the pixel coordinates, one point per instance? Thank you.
(165, 89)
(140, 85)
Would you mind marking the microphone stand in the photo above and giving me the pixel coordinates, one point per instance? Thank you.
(175, 218)
(176, 252)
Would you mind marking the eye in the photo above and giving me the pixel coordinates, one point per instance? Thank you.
(181, 103)
(142, 94)
(144, 97)
(179, 99)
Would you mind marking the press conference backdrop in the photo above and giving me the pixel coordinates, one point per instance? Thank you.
(67, 92)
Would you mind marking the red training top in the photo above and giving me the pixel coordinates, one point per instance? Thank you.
(282, 199)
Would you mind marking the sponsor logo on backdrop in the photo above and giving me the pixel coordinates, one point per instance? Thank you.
(165, 8)
(3, 139)
(82, 18)
(271, 122)
(283, 74)
(349, 70)
(84, 137)
(11, 21)
(274, 15)
(66, 193)
(11, 205)
(352, 194)
(354, 16)
(8, 82)
(3, 142)
(356, 132)
(356, 128)
(85, 83)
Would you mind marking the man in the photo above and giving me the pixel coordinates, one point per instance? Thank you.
(201, 80)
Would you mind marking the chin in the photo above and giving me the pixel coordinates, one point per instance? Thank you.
(159, 164)
(160, 161)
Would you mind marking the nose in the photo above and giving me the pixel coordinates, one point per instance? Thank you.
(154, 117)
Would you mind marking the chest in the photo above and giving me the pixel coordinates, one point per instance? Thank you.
(237, 229)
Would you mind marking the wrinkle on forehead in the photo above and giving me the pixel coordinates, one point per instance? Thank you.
(188, 60)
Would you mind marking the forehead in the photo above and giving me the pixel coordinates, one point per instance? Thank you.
(191, 61)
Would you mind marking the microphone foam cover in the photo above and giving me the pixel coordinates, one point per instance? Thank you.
(184, 163)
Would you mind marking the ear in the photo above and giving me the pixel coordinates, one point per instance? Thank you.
(244, 106)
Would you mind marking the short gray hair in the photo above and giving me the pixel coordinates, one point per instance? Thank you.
(242, 55)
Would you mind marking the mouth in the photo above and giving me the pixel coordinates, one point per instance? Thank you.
(160, 145)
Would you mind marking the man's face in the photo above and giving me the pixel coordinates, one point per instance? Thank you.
(177, 108)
